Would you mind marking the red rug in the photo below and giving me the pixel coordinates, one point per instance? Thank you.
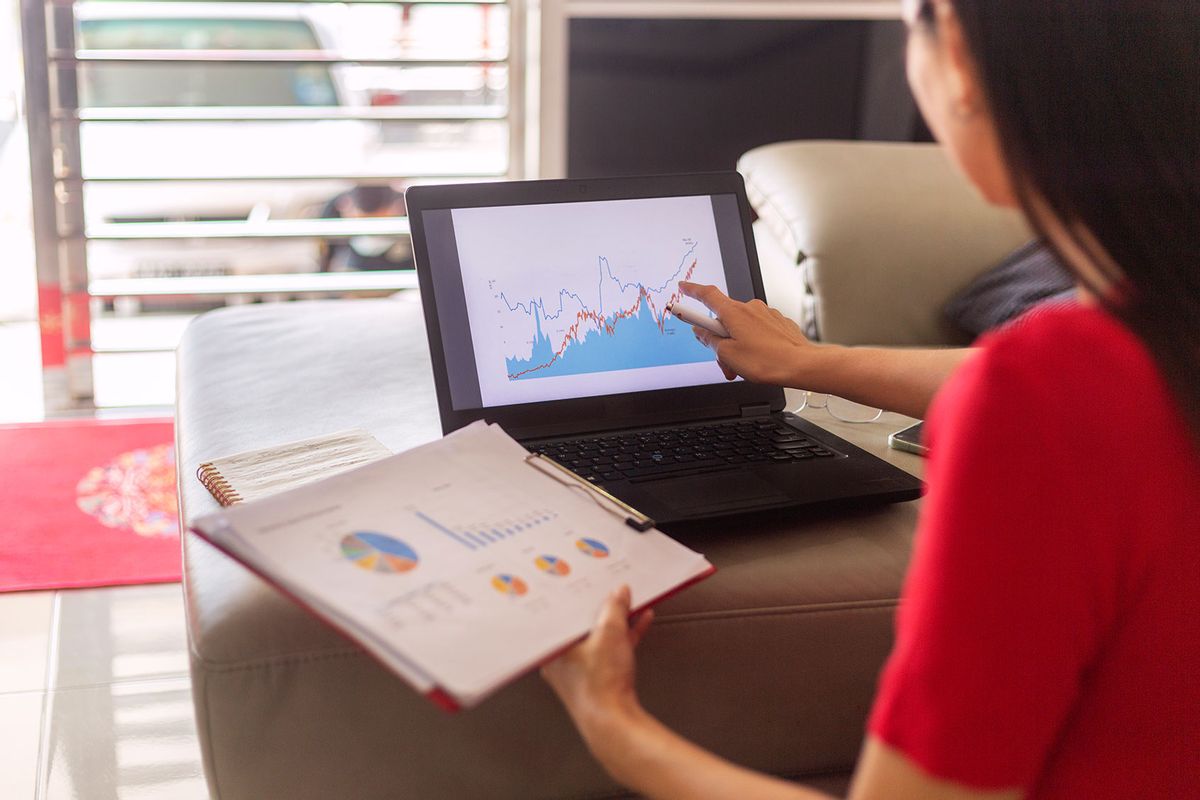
(87, 503)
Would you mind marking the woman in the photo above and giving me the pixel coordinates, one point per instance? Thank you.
(1048, 642)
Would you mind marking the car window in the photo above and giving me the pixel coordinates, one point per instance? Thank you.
(120, 85)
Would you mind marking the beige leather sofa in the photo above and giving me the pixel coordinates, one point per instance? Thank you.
(771, 662)
(864, 243)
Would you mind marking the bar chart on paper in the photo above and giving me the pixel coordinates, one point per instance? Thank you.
(571, 299)
(478, 535)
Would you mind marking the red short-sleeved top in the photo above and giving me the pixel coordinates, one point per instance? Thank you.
(1049, 635)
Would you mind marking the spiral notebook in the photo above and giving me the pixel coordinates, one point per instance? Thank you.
(259, 473)
(459, 565)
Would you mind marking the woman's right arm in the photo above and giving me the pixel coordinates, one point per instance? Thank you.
(766, 347)
(903, 380)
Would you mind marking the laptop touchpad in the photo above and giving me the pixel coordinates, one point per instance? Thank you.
(715, 492)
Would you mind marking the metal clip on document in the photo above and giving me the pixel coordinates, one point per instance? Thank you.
(633, 518)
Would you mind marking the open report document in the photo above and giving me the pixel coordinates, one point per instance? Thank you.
(459, 565)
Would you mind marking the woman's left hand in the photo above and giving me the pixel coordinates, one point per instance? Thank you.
(595, 679)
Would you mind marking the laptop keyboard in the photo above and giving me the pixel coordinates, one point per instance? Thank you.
(664, 451)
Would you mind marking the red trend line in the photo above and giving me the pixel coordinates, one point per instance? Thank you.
(608, 324)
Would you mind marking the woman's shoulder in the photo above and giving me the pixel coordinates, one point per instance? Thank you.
(1063, 332)
(1076, 354)
(1073, 377)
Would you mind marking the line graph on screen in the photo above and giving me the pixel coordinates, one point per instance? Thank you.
(625, 326)
(568, 300)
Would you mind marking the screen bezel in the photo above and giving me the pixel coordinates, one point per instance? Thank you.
(584, 414)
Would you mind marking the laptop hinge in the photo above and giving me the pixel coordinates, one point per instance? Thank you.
(757, 410)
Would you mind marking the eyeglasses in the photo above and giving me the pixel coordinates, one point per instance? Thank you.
(840, 409)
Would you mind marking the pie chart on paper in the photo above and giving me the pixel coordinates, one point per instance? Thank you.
(377, 552)
(592, 547)
(510, 585)
(552, 565)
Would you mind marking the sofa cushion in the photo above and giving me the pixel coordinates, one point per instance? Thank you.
(1028, 277)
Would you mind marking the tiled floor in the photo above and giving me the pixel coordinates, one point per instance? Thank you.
(95, 698)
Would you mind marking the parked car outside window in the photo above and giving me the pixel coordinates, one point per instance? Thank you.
(208, 149)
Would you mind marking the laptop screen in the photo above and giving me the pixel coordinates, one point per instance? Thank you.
(551, 301)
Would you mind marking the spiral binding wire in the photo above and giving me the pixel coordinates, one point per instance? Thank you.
(219, 487)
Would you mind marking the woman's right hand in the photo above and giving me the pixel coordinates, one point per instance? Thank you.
(763, 346)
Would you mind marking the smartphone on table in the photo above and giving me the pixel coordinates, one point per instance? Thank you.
(909, 440)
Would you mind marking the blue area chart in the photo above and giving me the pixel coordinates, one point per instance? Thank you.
(642, 334)
(625, 343)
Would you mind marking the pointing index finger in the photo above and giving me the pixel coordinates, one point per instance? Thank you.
(709, 295)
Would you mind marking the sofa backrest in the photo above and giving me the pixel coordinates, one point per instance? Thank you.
(882, 235)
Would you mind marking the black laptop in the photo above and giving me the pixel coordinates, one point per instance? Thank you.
(545, 303)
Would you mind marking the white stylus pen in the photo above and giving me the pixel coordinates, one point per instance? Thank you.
(693, 317)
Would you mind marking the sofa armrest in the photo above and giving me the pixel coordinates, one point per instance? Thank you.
(883, 235)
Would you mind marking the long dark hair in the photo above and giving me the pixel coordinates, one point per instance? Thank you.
(1097, 108)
